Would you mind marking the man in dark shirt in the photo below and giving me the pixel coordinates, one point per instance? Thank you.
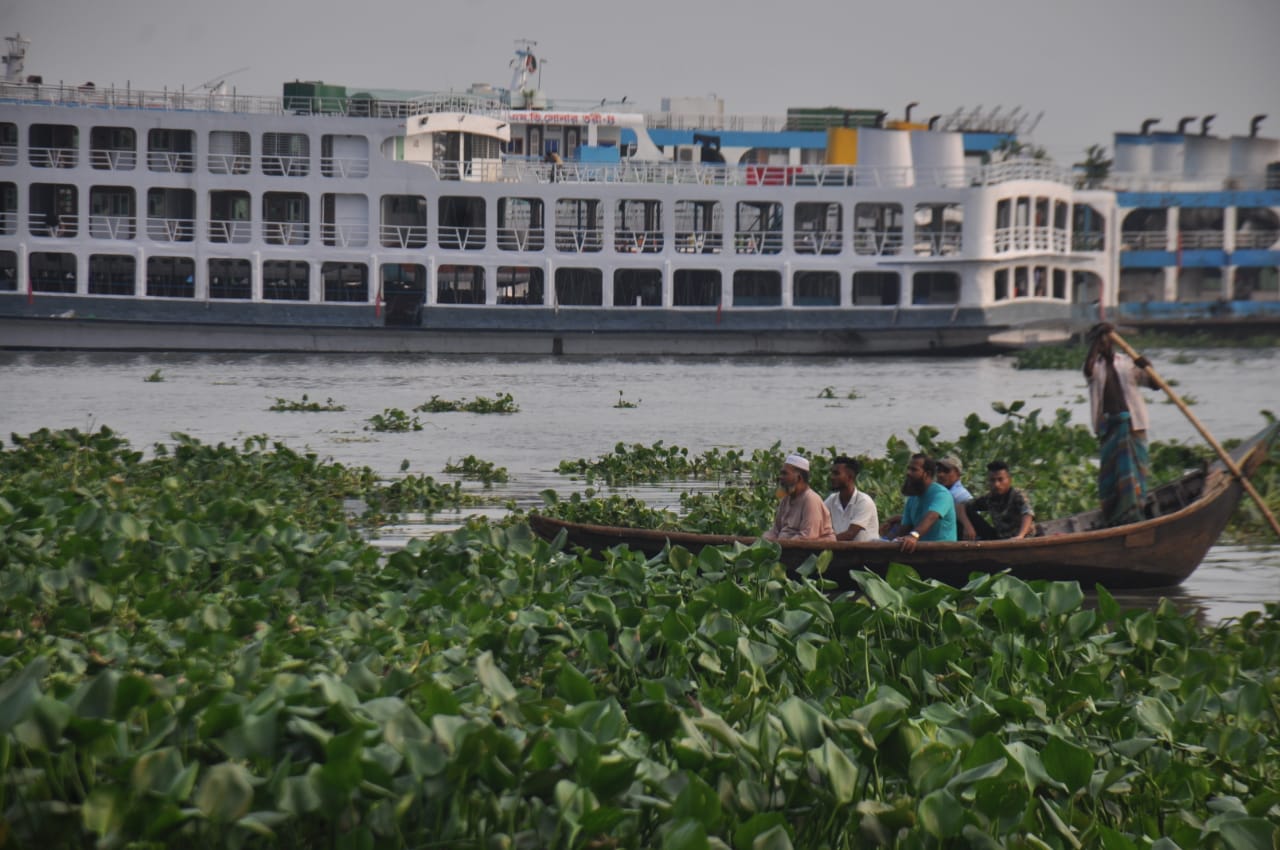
(1010, 512)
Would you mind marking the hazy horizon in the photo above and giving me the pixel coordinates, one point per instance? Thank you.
(1092, 67)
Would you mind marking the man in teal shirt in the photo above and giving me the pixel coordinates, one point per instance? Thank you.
(930, 512)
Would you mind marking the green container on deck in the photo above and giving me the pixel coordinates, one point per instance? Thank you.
(814, 118)
(300, 96)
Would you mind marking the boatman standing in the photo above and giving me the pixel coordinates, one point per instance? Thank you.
(1119, 416)
(801, 513)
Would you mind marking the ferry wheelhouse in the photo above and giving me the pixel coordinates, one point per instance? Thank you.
(495, 222)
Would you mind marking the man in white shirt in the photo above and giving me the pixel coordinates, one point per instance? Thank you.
(948, 475)
(853, 512)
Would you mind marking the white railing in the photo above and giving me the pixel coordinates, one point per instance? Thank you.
(8, 222)
(105, 159)
(757, 242)
(8, 154)
(286, 232)
(112, 226)
(1199, 240)
(344, 235)
(230, 163)
(933, 244)
(52, 157)
(55, 226)
(877, 242)
(637, 241)
(819, 242)
(579, 240)
(230, 231)
(286, 166)
(344, 166)
(171, 229)
(462, 238)
(402, 235)
(1132, 182)
(173, 162)
(1145, 240)
(1028, 238)
(1256, 239)
(521, 238)
(699, 242)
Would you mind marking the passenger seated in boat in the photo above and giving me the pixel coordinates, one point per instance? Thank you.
(1009, 509)
(801, 515)
(930, 511)
(853, 512)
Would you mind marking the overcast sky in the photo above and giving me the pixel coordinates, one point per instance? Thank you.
(1092, 66)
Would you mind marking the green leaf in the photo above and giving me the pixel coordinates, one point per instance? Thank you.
(744, 837)
(1068, 763)
(1154, 716)
(18, 693)
(802, 721)
(494, 681)
(225, 793)
(686, 834)
(839, 769)
(573, 686)
(1062, 597)
(104, 810)
(941, 814)
(1249, 834)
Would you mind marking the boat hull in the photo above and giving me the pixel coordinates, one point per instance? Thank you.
(1157, 552)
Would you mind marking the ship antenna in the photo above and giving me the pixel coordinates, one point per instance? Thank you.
(16, 57)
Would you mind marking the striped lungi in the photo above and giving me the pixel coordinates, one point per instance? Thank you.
(1122, 472)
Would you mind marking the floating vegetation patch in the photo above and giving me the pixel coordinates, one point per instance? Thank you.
(305, 405)
(473, 468)
(155, 377)
(197, 650)
(503, 403)
(634, 463)
(830, 393)
(622, 403)
(393, 419)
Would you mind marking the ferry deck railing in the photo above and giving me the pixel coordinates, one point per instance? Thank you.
(172, 162)
(56, 226)
(8, 154)
(112, 226)
(877, 242)
(8, 222)
(104, 159)
(1145, 240)
(344, 235)
(521, 238)
(229, 231)
(230, 163)
(819, 242)
(402, 235)
(1256, 239)
(171, 229)
(286, 232)
(344, 166)
(52, 157)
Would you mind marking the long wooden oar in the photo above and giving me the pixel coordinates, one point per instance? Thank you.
(1204, 432)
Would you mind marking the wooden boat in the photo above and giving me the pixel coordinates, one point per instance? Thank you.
(1186, 517)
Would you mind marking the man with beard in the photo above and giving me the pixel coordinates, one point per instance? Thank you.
(801, 513)
(930, 511)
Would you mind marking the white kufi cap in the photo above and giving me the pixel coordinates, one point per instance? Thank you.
(798, 461)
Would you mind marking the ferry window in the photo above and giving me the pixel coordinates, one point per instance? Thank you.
(931, 288)
(8, 208)
(460, 285)
(112, 274)
(461, 223)
(522, 285)
(8, 271)
(1257, 228)
(1089, 227)
(172, 151)
(758, 228)
(699, 227)
(171, 215)
(54, 210)
(1086, 287)
(345, 282)
(1040, 281)
(111, 213)
(113, 148)
(816, 289)
(695, 288)
(52, 272)
(171, 277)
(579, 225)
(1060, 215)
(1145, 229)
(639, 227)
(230, 152)
(819, 228)
(876, 289)
(8, 143)
(403, 290)
(1020, 282)
(230, 279)
(404, 221)
(229, 217)
(344, 220)
(877, 228)
(1201, 228)
(521, 224)
(1060, 284)
(344, 156)
(1199, 284)
(579, 287)
(286, 154)
(286, 280)
(285, 218)
(53, 145)
(752, 288)
(637, 288)
(1002, 284)
(1003, 240)
(939, 229)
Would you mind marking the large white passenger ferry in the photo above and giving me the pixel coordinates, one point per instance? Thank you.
(498, 222)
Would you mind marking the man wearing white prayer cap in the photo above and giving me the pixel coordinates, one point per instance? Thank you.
(801, 512)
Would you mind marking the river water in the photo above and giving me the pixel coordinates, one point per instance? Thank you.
(567, 410)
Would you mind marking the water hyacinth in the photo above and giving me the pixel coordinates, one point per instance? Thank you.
(198, 648)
